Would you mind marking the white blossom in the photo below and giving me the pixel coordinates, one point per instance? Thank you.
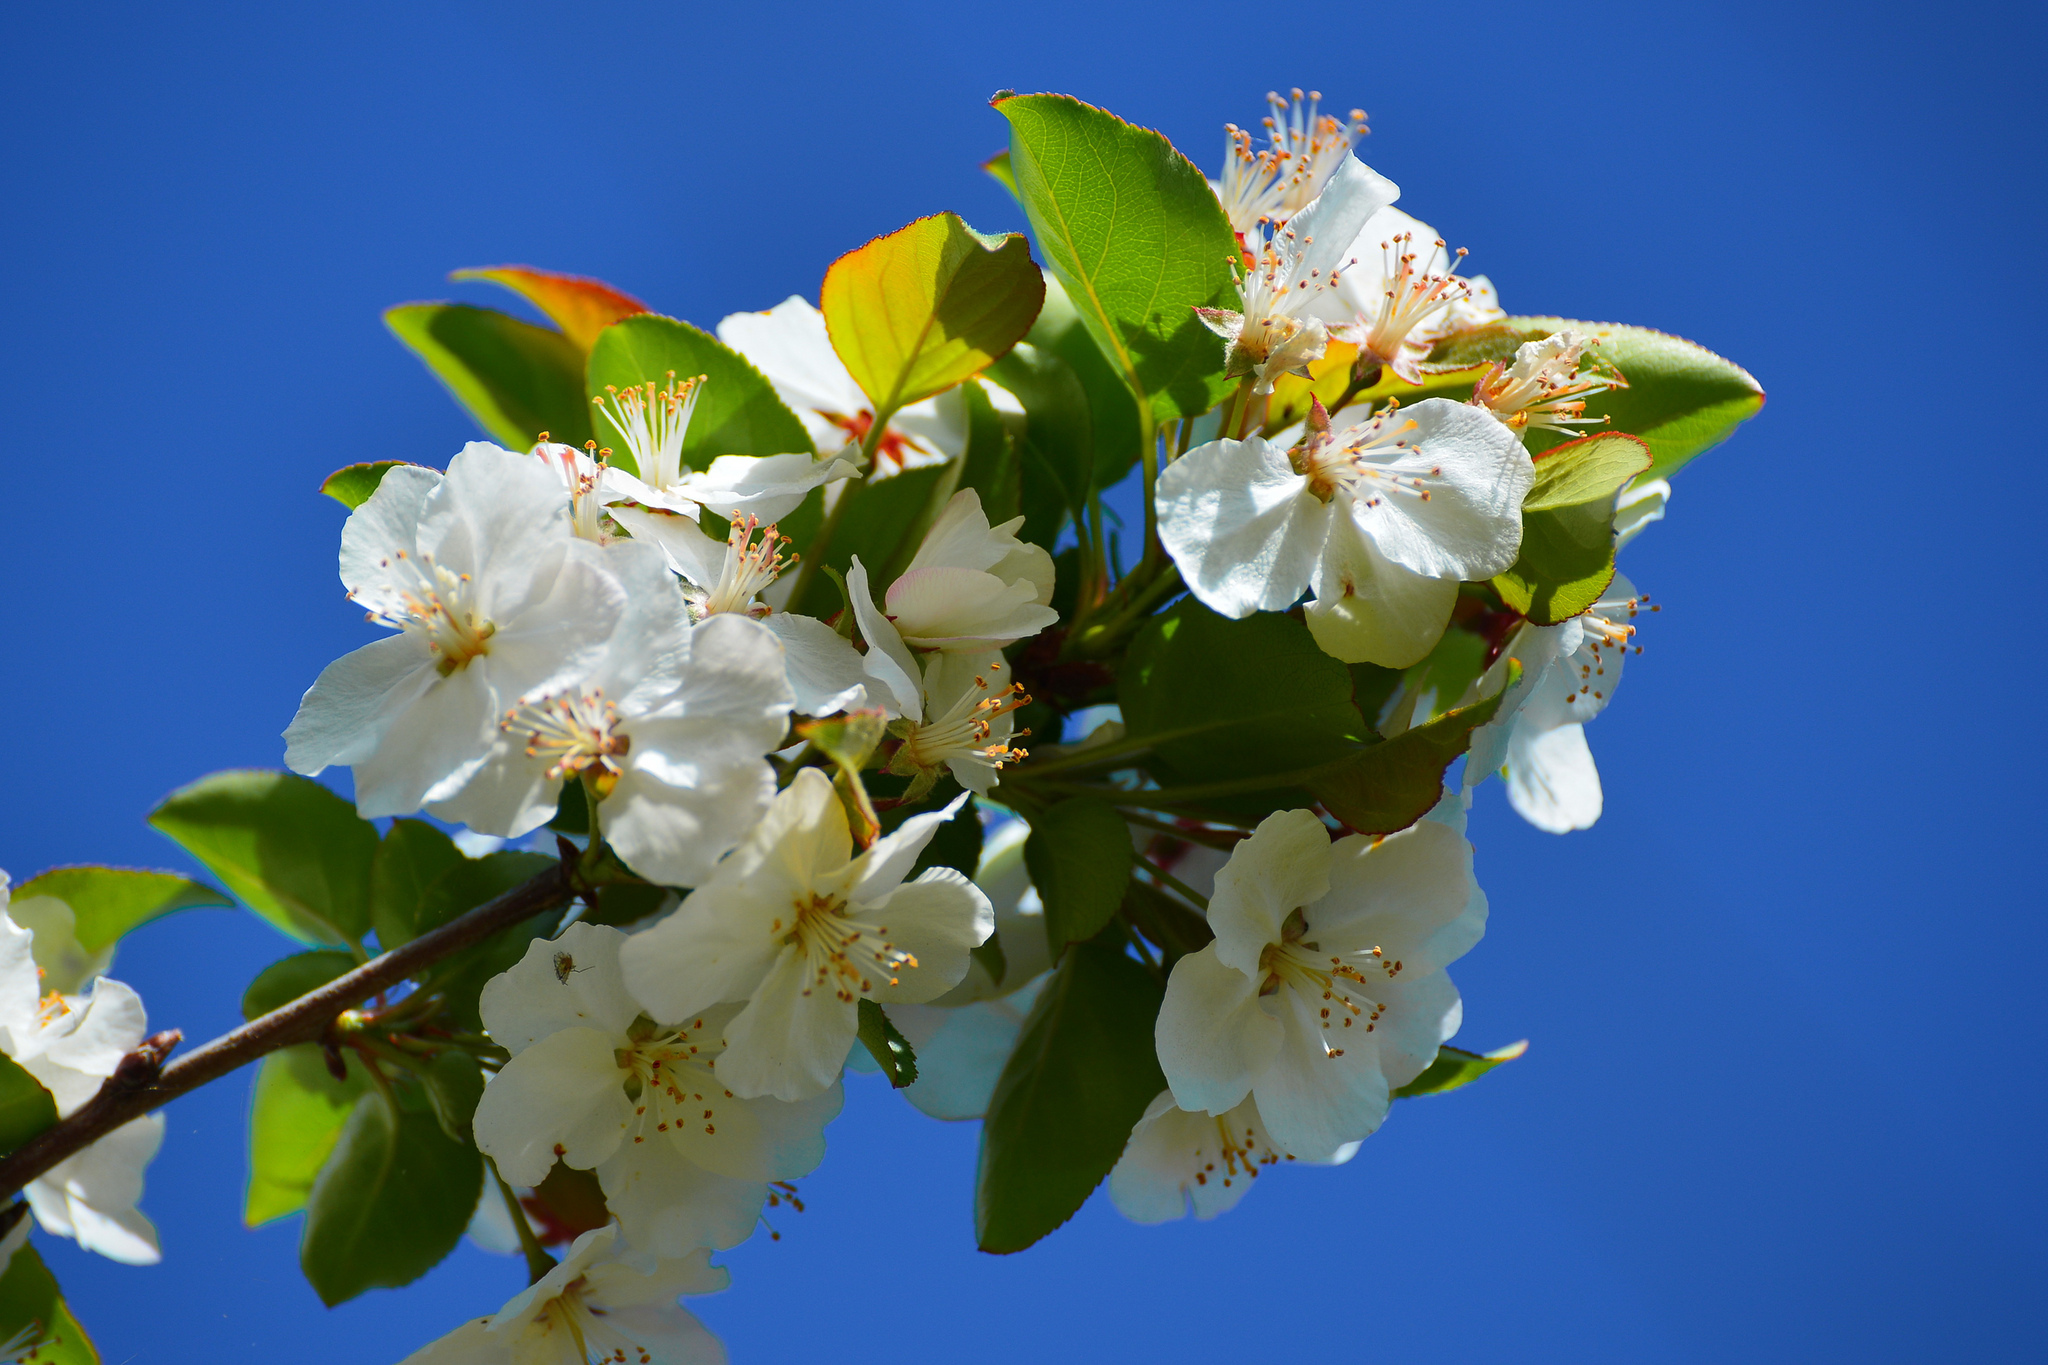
(1381, 519)
(1324, 989)
(493, 597)
(1304, 148)
(798, 928)
(971, 586)
(1402, 294)
(671, 726)
(1546, 386)
(1177, 1159)
(71, 1044)
(598, 1084)
(791, 347)
(597, 1305)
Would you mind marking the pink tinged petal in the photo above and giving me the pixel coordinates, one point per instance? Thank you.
(824, 670)
(1422, 1014)
(1476, 474)
(1241, 524)
(889, 660)
(1284, 865)
(1552, 780)
(1394, 894)
(668, 1207)
(1368, 609)
(355, 701)
(791, 1040)
(569, 982)
(388, 521)
(564, 1097)
(1213, 1037)
(937, 919)
(882, 868)
(1316, 1100)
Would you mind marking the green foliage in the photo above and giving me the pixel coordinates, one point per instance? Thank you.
(1390, 786)
(1167, 921)
(351, 485)
(108, 902)
(1136, 238)
(737, 412)
(288, 978)
(1219, 698)
(1056, 456)
(990, 463)
(26, 1108)
(410, 857)
(296, 1113)
(517, 380)
(955, 844)
(453, 1084)
(1454, 1067)
(881, 521)
(471, 882)
(1567, 556)
(890, 1049)
(32, 1310)
(1079, 1078)
(581, 307)
(292, 850)
(1113, 412)
(1079, 856)
(1681, 398)
(927, 307)
(390, 1203)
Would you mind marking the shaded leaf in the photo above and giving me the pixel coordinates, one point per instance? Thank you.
(990, 465)
(1079, 856)
(881, 521)
(389, 1204)
(1057, 453)
(288, 978)
(955, 844)
(581, 307)
(1390, 786)
(26, 1108)
(33, 1312)
(411, 856)
(1135, 236)
(517, 380)
(890, 1049)
(453, 1084)
(1454, 1067)
(1082, 1072)
(927, 307)
(737, 412)
(290, 849)
(1113, 411)
(296, 1113)
(471, 882)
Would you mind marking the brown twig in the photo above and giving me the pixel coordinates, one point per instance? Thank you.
(142, 1083)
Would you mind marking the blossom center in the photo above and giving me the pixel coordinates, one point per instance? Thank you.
(581, 473)
(437, 605)
(965, 731)
(1331, 982)
(750, 566)
(1369, 462)
(584, 1335)
(1241, 1155)
(1605, 629)
(670, 1078)
(652, 421)
(577, 732)
(1413, 296)
(848, 956)
(894, 448)
(1545, 387)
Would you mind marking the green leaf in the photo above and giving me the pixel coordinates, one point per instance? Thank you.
(737, 412)
(1057, 453)
(33, 1312)
(990, 466)
(292, 850)
(1567, 555)
(410, 857)
(1454, 1067)
(352, 485)
(296, 1113)
(1681, 398)
(890, 1049)
(989, 953)
(390, 1203)
(1079, 856)
(461, 979)
(1390, 786)
(108, 902)
(1167, 921)
(1586, 470)
(471, 882)
(26, 1108)
(998, 168)
(927, 307)
(288, 978)
(517, 380)
(1118, 435)
(1082, 1072)
(622, 903)
(580, 306)
(453, 1083)
(1223, 699)
(1135, 236)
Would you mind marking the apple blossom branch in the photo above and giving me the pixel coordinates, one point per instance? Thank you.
(142, 1083)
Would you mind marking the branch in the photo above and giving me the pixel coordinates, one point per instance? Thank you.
(142, 1083)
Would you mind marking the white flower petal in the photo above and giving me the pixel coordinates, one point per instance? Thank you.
(1316, 1100)
(1213, 1037)
(826, 673)
(1284, 865)
(1552, 780)
(889, 661)
(668, 1207)
(563, 1096)
(938, 919)
(792, 1038)
(569, 982)
(1241, 524)
(1368, 609)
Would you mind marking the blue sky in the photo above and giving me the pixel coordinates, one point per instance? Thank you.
(1784, 1093)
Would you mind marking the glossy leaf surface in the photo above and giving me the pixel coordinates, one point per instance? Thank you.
(389, 1204)
(580, 306)
(517, 380)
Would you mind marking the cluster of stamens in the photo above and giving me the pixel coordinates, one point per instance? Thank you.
(1241, 1156)
(1304, 149)
(582, 472)
(844, 954)
(1545, 387)
(577, 732)
(1603, 632)
(893, 448)
(652, 420)
(590, 1337)
(750, 566)
(1299, 963)
(1359, 461)
(670, 1080)
(966, 731)
(435, 606)
(1413, 296)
